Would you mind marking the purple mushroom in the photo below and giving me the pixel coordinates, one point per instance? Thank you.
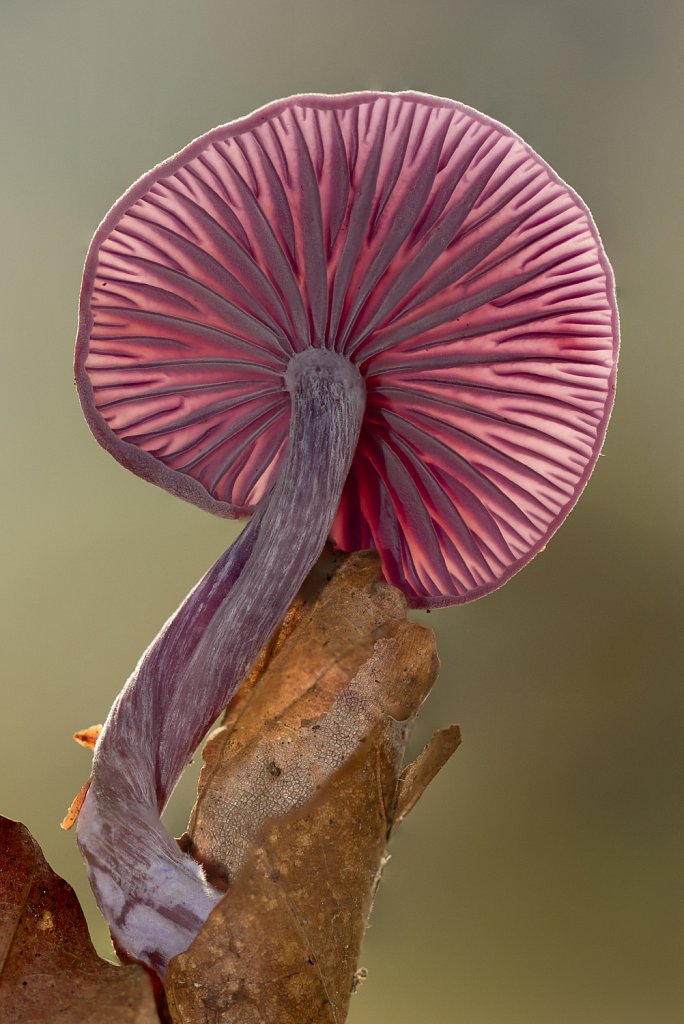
(377, 317)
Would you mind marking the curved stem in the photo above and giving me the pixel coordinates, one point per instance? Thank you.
(155, 898)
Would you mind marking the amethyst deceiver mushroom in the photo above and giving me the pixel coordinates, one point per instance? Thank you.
(380, 317)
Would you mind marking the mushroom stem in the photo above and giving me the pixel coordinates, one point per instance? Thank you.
(155, 898)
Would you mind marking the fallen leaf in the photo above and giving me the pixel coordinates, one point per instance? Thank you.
(71, 816)
(283, 738)
(284, 943)
(49, 971)
(296, 801)
(418, 775)
(88, 737)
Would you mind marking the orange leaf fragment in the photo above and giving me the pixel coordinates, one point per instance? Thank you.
(69, 819)
(88, 737)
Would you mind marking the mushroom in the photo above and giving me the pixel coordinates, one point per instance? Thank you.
(380, 317)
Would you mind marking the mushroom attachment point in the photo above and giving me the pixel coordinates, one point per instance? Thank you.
(380, 317)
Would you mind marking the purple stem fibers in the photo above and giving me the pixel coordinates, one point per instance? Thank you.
(154, 897)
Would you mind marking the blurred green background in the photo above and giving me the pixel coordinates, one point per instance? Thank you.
(539, 879)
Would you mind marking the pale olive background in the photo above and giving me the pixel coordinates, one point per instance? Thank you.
(538, 881)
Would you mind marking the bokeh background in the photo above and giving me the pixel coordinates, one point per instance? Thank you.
(538, 880)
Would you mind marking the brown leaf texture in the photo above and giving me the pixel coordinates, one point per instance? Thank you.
(296, 801)
(418, 775)
(49, 971)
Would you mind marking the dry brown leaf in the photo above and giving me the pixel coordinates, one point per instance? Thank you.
(49, 971)
(307, 713)
(71, 816)
(418, 775)
(296, 802)
(283, 945)
(88, 737)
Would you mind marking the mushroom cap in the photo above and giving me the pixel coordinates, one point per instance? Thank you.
(420, 239)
